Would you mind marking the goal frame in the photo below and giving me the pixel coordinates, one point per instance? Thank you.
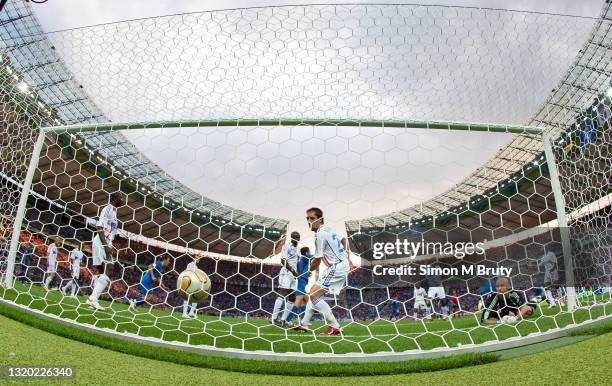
(407, 124)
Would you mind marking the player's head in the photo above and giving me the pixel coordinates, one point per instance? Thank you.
(502, 284)
(116, 199)
(304, 251)
(166, 260)
(58, 241)
(295, 238)
(314, 216)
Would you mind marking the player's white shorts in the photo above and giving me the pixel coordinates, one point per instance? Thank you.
(436, 293)
(76, 272)
(98, 253)
(286, 280)
(333, 278)
(52, 266)
(419, 304)
(551, 277)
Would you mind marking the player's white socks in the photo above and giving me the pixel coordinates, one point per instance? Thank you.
(278, 304)
(308, 313)
(100, 285)
(67, 286)
(288, 307)
(324, 309)
(194, 307)
(48, 281)
(549, 298)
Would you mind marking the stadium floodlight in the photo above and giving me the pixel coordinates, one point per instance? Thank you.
(206, 140)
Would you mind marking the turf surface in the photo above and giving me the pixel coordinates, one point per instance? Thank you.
(257, 334)
(584, 363)
(247, 366)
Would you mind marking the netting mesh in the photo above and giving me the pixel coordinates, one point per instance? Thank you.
(299, 107)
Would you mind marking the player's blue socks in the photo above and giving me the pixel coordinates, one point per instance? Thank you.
(296, 311)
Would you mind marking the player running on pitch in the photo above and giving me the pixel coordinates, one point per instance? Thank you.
(150, 280)
(76, 255)
(52, 251)
(301, 297)
(102, 249)
(332, 250)
(287, 280)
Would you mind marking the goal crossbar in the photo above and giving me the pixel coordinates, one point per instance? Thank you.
(406, 124)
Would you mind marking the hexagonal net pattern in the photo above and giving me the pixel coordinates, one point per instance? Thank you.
(139, 150)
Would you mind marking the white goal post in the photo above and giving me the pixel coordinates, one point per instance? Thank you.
(412, 124)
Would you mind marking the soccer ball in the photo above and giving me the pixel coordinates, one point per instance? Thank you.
(193, 285)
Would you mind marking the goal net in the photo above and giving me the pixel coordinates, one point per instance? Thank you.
(133, 150)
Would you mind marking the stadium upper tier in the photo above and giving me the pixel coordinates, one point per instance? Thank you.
(34, 57)
(50, 72)
(589, 76)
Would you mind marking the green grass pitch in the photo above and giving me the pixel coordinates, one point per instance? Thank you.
(586, 362)
(257, 334)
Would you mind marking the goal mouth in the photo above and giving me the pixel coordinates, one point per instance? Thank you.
(326, 227)
(456, 252)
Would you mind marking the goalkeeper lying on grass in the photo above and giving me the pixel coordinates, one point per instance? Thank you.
(505, 305)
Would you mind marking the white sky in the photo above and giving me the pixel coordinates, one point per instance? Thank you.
(199, 68)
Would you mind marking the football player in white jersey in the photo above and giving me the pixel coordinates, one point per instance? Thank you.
(102, 248)
(333, 251)
(76, 256)
(194, 306)
(52, 251)
(551, 275)
(287, 280)
(420, 306)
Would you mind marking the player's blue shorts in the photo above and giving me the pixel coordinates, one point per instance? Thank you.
(301, 287)
(146, 287)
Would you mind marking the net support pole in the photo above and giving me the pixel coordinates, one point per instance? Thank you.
(21, 209)
(566, 245)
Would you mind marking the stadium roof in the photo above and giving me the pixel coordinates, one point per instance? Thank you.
(590, 75)
(33, 55)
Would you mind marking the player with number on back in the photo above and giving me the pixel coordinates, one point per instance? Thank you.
(102, 249)
(333, 251)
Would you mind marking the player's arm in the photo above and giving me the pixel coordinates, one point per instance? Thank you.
(486, 304)
(288, 267)
(314, 263)
(345, 243)
(162, 285)
(151, 272)
(524, 309)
